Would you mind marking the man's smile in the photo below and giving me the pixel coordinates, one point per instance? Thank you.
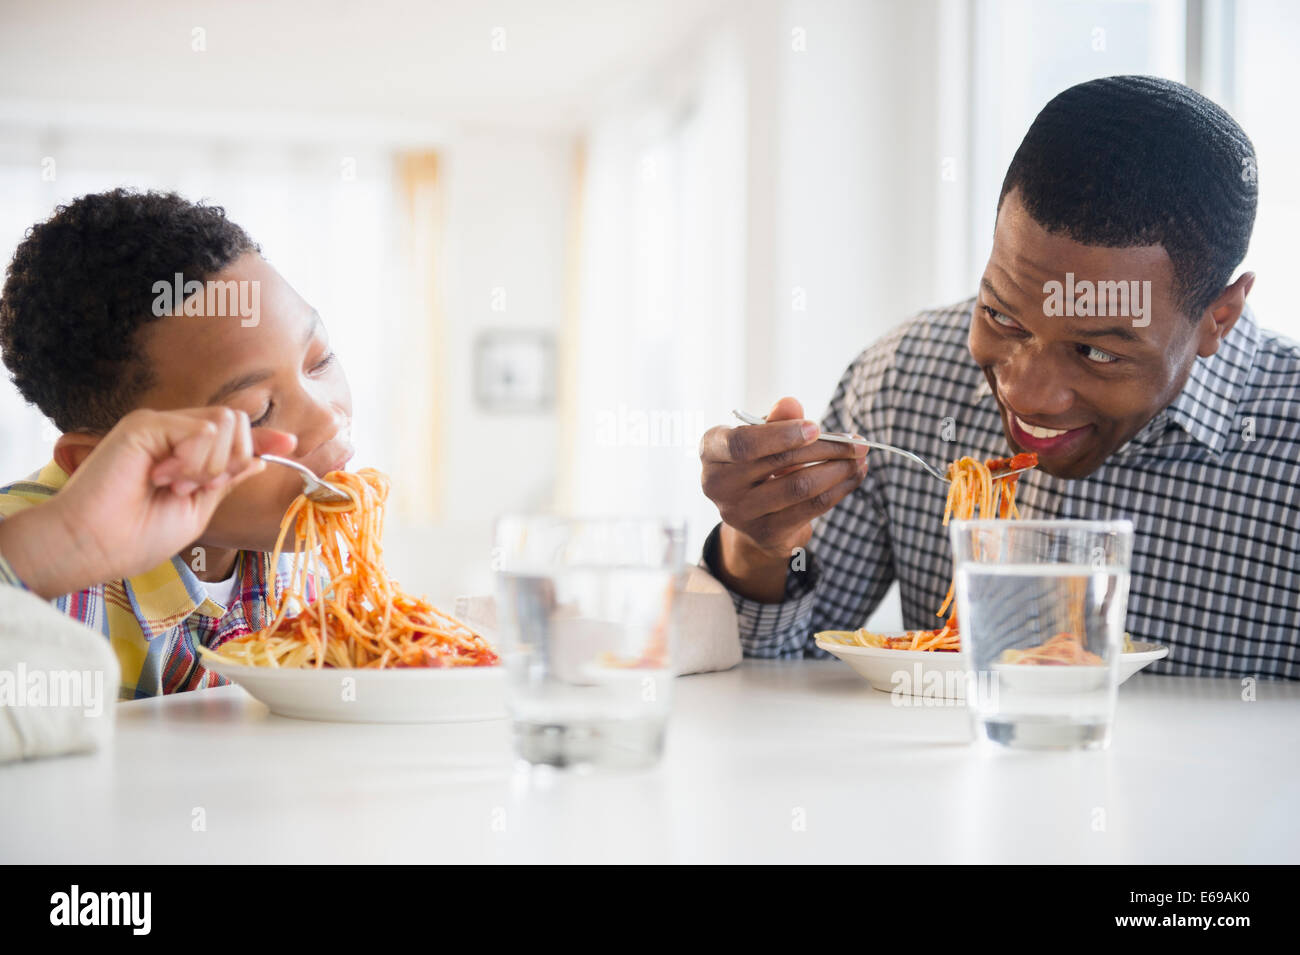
(1027, 434)
(1044, 441)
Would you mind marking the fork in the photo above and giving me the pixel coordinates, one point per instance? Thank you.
(854, 439)
(317, 490)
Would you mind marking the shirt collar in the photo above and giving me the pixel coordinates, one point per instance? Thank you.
(165, 596)
(1206, 407)
(51, 476)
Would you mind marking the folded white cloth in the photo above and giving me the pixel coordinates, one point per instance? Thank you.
(709, 639)
(58, 681)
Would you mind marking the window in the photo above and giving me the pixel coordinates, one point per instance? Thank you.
(660, 325)
(1264, 79)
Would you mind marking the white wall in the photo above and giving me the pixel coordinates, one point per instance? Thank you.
(848, 102)
(853, 226)
(508, 197)
(1265, 85)
(855, 176)
(661, 326)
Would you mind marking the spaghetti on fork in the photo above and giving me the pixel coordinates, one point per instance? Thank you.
(972, 487)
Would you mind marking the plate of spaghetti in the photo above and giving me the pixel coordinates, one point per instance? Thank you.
(972, 486)
(345, 642)
(878, 662)
(881, 657)
(1062, 664)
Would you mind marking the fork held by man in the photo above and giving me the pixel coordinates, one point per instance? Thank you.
(769, 481)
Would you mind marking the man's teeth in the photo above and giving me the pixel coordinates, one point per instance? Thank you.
(1037, 432)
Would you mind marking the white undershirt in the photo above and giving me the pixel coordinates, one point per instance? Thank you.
(221, 591)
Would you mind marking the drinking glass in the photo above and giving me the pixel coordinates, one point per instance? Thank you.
(588, 614)
(1041, 608)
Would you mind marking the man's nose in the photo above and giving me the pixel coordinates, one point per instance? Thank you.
(1034, 384)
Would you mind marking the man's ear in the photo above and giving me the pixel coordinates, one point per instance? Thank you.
(72, 448)
(1221, 314)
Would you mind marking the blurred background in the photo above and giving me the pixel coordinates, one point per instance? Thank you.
(554, 241)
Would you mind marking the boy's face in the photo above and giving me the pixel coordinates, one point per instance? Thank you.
(279, 370)
(1098, 379)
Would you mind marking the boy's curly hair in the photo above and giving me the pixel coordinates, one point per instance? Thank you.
(80, 288)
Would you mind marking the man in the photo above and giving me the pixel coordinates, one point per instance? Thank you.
(1108, 336)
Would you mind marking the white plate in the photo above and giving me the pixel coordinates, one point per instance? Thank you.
(942, 674)
(408, 695)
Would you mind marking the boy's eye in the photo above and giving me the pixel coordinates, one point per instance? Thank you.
(263, 417)
(1097, 355)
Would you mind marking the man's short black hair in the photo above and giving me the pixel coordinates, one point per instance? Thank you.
(80, 288)
(1137, 160)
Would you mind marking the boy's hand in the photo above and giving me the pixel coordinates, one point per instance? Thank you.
(144, 492)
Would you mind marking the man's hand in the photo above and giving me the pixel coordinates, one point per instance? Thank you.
(769, 481)
(147, 489)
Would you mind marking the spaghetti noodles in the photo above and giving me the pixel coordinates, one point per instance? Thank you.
(972, 487)
(1064, 649)
(1061, 650)
(354, 616)
(972, 484)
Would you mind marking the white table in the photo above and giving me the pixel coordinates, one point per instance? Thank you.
(797, 762)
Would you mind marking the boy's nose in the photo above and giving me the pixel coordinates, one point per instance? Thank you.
(325, 442)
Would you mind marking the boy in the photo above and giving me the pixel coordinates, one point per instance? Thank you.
(154, 521)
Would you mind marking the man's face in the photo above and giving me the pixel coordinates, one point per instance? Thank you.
(1095, 379)
(280, 371)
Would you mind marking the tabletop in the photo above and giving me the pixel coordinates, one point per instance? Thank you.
(796, 761)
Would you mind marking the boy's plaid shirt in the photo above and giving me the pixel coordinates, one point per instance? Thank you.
(156, 621)
(1211, 483)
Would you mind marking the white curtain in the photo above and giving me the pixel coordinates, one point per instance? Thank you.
(661, 324)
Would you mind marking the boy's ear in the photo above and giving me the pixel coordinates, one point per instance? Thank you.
(72, 448)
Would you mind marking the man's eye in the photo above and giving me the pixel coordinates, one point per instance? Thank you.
(998, 317)
(1097, 355)
(264, 417)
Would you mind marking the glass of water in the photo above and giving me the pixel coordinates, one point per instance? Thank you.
(1041, 608)
(588, 617)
